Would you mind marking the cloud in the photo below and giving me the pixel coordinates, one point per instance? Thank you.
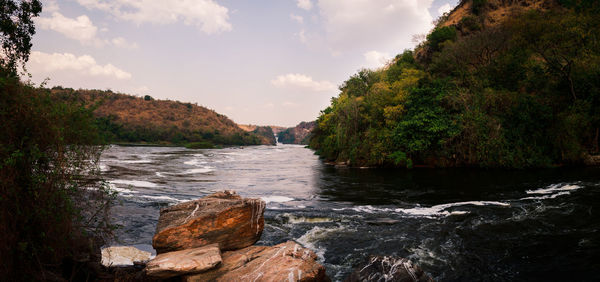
(298, 19)
(81, 28)
(40, 62)
(123, 43)
(444, 9)
(363, 25)
(206, 15)
(302, 81)
(376, 59)
(304, 4)
(302, 36)
(50, 6)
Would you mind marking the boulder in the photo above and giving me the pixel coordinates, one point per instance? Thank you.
(382, 268)
(224, 218)
(123, 256)
(284, 262)
(188, 261)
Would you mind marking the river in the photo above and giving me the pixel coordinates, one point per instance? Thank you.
(457, 224)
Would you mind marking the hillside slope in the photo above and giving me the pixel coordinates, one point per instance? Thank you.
(126, 118)
(497, 83)
(300, 134)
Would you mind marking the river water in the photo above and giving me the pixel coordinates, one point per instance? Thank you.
(457, 224)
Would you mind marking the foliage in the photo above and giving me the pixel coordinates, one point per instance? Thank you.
(522, 93)
(478, 6)
(128, 119)
(440, 35)
(200, 145)
(16, 29)
(50, 199)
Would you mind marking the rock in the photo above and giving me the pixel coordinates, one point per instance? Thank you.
(382, 221)
(284, 262)
(223, 218)
(381, 268)
(188, 261)
(123, 256)
(591, 160)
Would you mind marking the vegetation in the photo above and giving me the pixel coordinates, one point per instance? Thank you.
(53, 209)
(128, 119)
(522, 92)
(300, 134)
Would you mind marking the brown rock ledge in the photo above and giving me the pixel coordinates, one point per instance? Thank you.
(223, 217)
(284, 262)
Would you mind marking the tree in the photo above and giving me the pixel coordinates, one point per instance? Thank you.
(16, 30)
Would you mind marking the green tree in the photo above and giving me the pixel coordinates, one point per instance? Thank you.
(16, 30)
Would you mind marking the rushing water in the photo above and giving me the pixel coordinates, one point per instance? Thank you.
(457, 224)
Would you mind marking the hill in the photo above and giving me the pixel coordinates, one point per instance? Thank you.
(300, 134)
(266, 133)
(497, 83)
(126, 118)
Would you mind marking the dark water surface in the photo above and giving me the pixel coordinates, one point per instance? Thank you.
(458, 224)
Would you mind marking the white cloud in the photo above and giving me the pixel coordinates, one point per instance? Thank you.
(444, 9)
(376, 59)
(45, 63)
(302, 81)
(123, 43)
(207, 15)
(302, 36)
(373, 25)
(298, 19)
(304, 4)
(81, 28)
(50, 6)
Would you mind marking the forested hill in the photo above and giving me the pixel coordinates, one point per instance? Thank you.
(131, 119)
(496, 83)
(300, 134)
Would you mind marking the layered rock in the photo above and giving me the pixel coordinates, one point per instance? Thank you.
(123, 256)
(382, 268)
(188, 261)
(224, 218)
(284, 262)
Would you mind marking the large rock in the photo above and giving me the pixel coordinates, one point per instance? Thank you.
(284, 262)
(381, 268)
(223, 218)
(188, 261)
(123, 256)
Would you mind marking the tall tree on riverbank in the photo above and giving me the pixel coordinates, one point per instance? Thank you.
(49, 196)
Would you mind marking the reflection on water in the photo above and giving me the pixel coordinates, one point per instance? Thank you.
(458, 224)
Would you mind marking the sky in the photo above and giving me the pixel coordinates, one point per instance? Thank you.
(276, 62)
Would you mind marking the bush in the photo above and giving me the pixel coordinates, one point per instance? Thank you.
(440, 35)
(49, 166)
(200, 145)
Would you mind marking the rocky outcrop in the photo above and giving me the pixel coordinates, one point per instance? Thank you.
(284, 262)
(300, 134)
(188, 261)
(190, 237)
(382, 268)
(224, 218)
(123, 256)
